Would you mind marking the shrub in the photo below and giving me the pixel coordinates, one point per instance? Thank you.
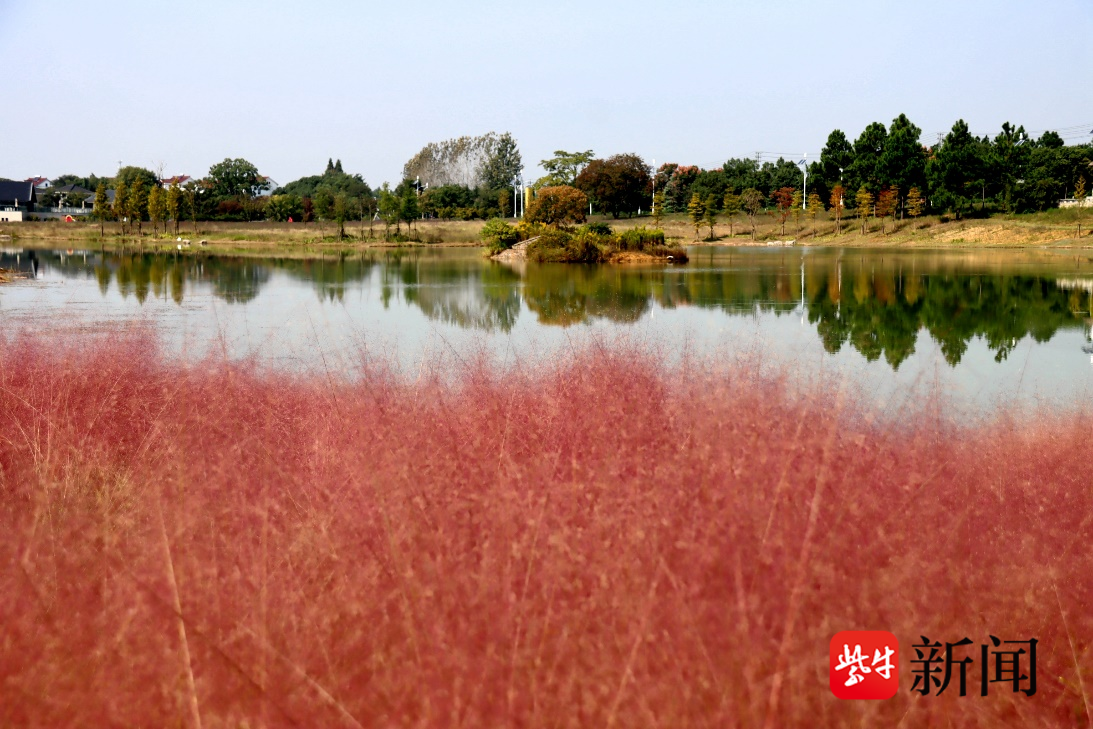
(640, 239)
(498, 235)
(598, 227)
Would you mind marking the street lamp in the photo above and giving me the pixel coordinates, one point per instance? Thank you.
(804, 168)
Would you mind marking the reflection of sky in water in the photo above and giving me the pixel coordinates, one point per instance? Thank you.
(444, 305)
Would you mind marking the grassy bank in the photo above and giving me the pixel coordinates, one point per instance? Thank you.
(1056, 228)
(598, 541)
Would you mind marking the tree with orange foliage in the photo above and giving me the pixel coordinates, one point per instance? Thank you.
(837, 206)
(558, 205)
(887, 202)
(783, 204)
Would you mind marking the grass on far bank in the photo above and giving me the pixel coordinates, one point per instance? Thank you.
(219, 545)
(1049, 228)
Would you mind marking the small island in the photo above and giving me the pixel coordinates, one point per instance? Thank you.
(549, 234)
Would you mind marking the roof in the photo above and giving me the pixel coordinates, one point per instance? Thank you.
(110, 196)
(72, 188)
(176, 180)
(38, 181)
(12, 190)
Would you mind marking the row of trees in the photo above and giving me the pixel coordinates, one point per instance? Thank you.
(1011, 172)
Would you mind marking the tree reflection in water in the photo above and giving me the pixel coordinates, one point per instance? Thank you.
(874, 301)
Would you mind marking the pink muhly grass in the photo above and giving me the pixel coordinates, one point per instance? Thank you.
(596, 541)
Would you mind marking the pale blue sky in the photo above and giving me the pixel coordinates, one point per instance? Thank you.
(287, 85)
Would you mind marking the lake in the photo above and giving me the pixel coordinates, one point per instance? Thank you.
(979, 327)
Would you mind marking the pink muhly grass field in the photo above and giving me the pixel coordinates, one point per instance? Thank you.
(603, 540)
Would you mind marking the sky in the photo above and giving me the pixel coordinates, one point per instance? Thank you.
(287, 85)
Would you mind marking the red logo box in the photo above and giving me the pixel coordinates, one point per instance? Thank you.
(864, 664)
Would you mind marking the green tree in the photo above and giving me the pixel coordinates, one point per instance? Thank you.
(341, 211)
(866, 169)
(697, 211)
(956, 169)
(752, 200)
(1007, 163)
(731, 206)
(191, 192)
(137, 204)
(282, 207)
(129, 174)
(835, 159)
(324, 205)
(619, 184)
(409, 209)
(234, 178)
(709, 206)
(157, 209)
(174, 203)
(121, 204)
(390, 210)
(563, 168)
(503, 164)
(903, 162)
(102, 211)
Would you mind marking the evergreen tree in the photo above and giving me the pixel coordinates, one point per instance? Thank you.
(710, 213)
(956, 169)
(157, 208)
(137, 204)
(903, 161)
(866, 169)
(696, 210)
(102, 211)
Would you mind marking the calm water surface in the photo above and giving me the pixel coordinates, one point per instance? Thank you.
(979, 327)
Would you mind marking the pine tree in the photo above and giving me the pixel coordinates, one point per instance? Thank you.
(696, 210)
